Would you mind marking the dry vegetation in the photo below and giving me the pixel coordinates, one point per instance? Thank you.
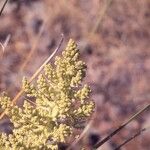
(113, 36)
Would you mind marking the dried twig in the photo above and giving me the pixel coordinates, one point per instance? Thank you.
(7, 40)
(33, 48)
(1, 11)
(76, 142)
(130, 138)
(35, 75)
(5, 43)
(101, 15)
(122, 126)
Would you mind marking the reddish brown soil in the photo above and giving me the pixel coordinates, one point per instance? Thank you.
(114, 42)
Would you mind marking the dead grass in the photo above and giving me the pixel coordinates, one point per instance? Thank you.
(117, 54)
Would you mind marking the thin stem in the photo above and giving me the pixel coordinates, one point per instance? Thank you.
(4, 45)
(76, 142)
(35, 75)
(30, 101)
(122, 126)
(130, 138)
(1, 11)
(34, 46)
(101, 15)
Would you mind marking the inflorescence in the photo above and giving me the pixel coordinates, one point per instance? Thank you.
(52, 105)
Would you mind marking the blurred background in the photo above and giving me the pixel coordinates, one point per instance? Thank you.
(113, 37)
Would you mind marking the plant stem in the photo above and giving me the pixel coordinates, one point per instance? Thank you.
(130, 138)
(122, 126)
(1, 11)
(101, 15)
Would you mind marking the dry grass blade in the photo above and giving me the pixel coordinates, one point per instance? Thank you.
(30, 101)
(122, 126)
(34, 46)
(5, 43)
(76, 142)
(2, 46)
(130, 138)
(7, 40)
(101, 15)
(1, 11)
(35, 74)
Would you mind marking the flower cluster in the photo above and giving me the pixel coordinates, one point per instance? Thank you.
(51, 106)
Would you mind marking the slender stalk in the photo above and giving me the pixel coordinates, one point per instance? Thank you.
(1, 11)
(35, 75)
(33, 48)
(130, 138)
(4, 45)
(77, 141)
(122, 126)
(101, 16)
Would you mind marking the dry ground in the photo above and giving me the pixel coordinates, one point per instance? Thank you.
(113, 37)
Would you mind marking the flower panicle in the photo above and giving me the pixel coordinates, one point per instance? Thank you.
(51, 105)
